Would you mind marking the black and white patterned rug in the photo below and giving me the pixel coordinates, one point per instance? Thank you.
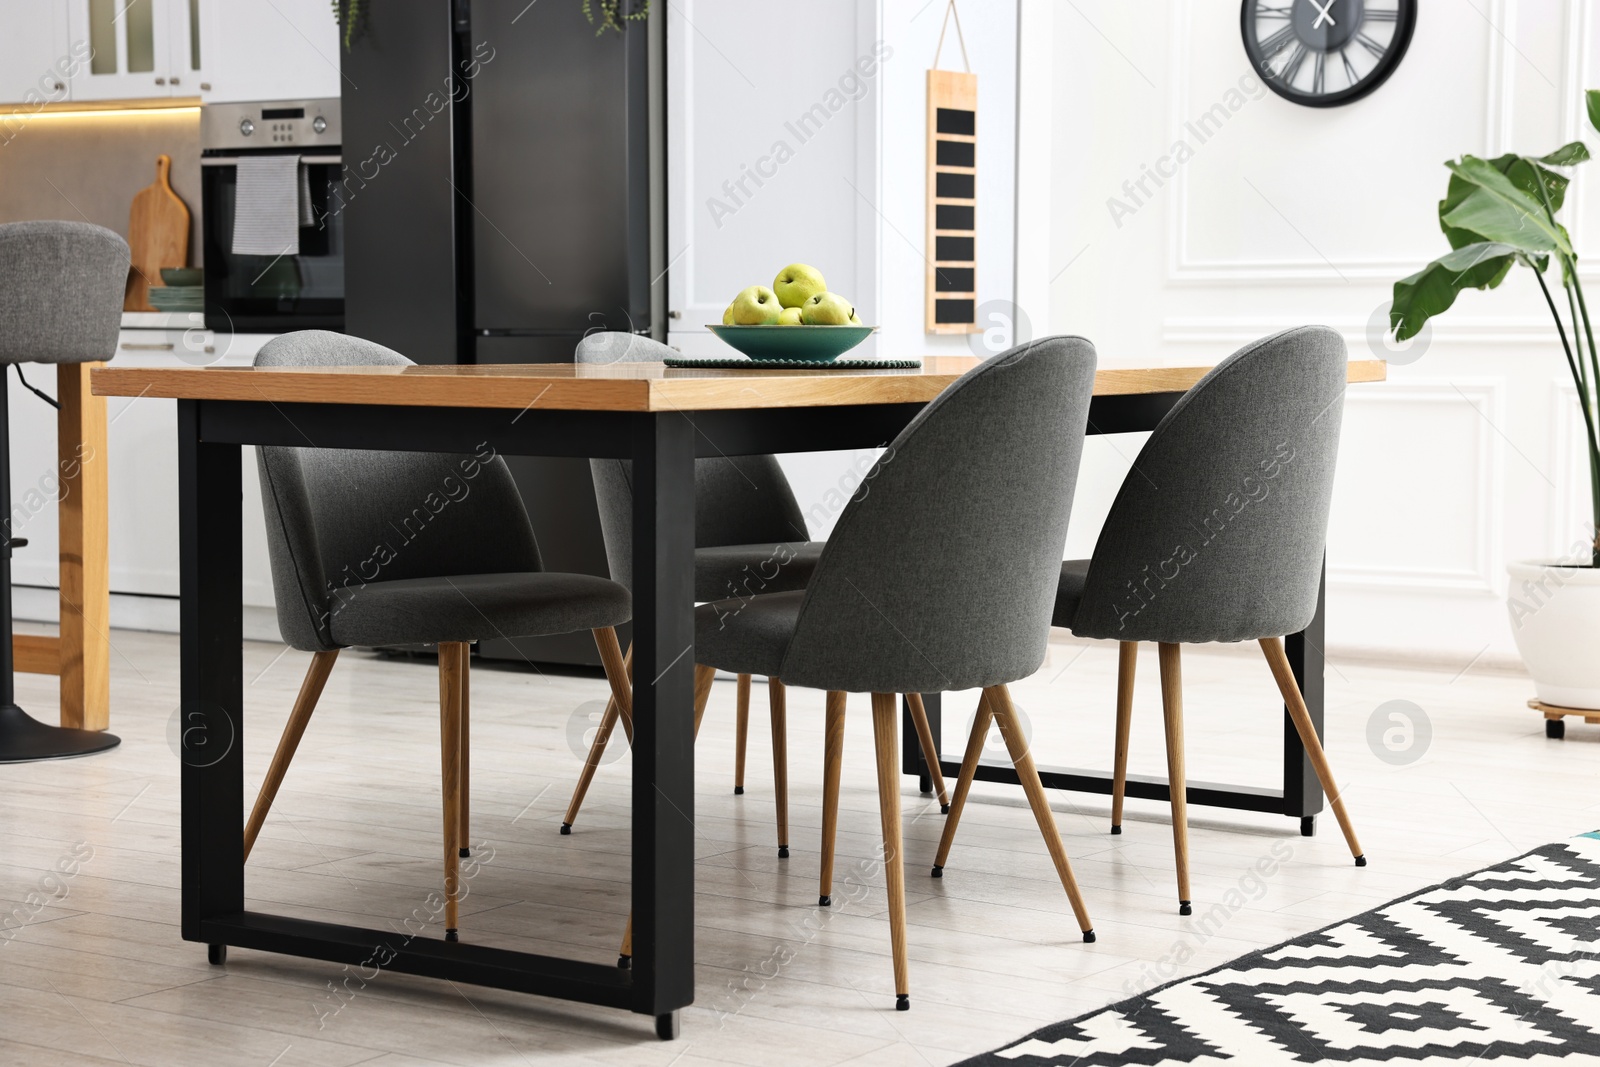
(1497, 967)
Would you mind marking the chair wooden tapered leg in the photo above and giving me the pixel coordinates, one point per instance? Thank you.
(1005, 716)
(969, 768)
(741, 733)
(304, 704)
(597, 747)
(832, 763)
(930, 751)
(1295, 702)
(885, 712)
(1172, 716)
(703, 677)
(464, 838)
(1127, 660)
(450, 774)
(780, 762)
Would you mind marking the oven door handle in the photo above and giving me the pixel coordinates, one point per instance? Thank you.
(229, 161)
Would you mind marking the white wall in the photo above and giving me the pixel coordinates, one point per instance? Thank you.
(1467, 457)
(850, 199)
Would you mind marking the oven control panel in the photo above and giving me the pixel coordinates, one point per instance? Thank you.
(283, 125)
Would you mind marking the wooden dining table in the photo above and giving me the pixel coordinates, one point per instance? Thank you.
(660, 418)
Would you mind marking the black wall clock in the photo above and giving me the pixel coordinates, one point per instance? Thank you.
(1323, 53)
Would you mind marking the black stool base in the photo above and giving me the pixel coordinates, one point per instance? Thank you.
(24, 738)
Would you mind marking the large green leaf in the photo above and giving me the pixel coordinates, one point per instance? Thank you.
(1593, 99)
(1499, 211)
(1523, 172)
(1434, 288)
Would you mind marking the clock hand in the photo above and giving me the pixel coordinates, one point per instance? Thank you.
(1322, 13)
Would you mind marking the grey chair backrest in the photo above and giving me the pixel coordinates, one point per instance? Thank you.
(1217, 532)
(941, 572)
(61, 290)
(739, 500)
(339, 519)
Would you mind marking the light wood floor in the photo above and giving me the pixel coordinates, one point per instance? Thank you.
(101, 977)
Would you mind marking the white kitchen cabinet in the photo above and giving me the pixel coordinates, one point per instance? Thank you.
(35, 64)
(142, 489)
(285, 50)
(138, 49)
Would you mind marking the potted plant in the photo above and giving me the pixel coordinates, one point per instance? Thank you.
(1498, 213)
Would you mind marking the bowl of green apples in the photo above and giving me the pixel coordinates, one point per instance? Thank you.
(795, 318)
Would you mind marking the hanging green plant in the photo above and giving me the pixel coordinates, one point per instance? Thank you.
(352, 15)
(612, 16)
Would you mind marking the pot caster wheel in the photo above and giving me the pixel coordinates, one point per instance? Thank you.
(1555, 729)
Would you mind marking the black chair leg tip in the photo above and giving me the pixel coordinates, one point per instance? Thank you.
(624, 963)
(824, 902)
(566, 828)
(216, 955)
(1361, 861)
(902, 1002)
(783, 852)
(1088, 937)
(1184, 908)
(1116, 828)
(944, 809)
(738, 790)
(667, 1026)
(452, 935)
(465, 853)
(938, 872)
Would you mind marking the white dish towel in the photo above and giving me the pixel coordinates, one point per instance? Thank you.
(273, 201)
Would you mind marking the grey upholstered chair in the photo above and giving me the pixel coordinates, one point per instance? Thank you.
(61, 288)
(750, 538)
(940, 578)
(400, 548)
(1216, 535)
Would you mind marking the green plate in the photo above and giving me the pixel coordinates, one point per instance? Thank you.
(814, 344)
(181, 276)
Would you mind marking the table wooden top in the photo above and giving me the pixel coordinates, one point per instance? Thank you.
(604, 387)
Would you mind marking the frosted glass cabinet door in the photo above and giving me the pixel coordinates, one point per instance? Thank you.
(136, 49)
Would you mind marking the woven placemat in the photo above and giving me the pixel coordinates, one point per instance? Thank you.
(795, 364)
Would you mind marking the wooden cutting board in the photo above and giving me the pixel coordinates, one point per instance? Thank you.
(158, 235)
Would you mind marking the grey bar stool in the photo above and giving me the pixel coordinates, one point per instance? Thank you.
(61, 286)
(941, 578)
(400, 548)
(750, 538)
(1216, 535)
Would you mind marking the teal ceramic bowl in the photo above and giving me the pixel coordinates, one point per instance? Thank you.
(818, 344)
(183, 275)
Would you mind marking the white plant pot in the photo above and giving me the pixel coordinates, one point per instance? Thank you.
(1555, 619)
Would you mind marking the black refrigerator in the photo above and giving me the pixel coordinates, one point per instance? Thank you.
(505, 195)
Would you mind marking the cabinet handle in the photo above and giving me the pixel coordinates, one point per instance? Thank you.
(59, 87)
(205, 87)
(174, 79)
(142, 346)
(674, 314)
(161, 81)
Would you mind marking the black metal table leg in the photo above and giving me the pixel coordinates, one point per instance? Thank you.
(663, 716)
(1302, 792)
(211, 639)
(911, 761)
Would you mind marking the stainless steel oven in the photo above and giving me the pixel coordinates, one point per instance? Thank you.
(264, 293)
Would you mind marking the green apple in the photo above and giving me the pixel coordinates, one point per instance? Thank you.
(756, 306)
(827, 309)
(727, 316)
(797, 283)
(789, 317)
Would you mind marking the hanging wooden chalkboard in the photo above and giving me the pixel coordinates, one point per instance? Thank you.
(952, 245)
